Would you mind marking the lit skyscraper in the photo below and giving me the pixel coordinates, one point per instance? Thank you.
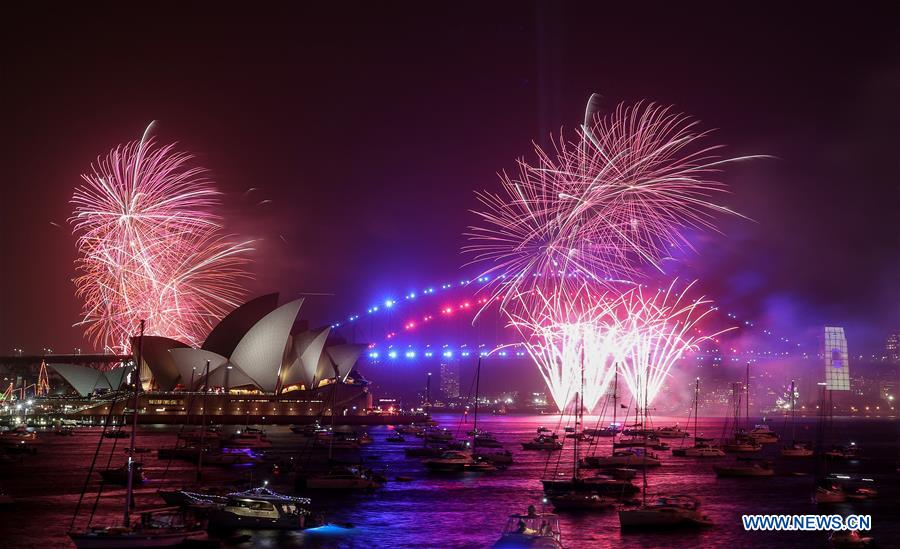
(450, 378)
(837, 360)
(892, 347)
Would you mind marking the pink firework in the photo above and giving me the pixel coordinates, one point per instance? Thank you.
(573, 337)
(654, 333)
(580, 339)
(150, 247)
(621, 196)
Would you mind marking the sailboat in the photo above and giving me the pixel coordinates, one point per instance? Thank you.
(701, 447)
(634, 453)
(745, 467)
(676, 511)
(739, 442)
(826, 491)
(156, 528)
(484, 461)
(561, 490)
(796, 449)
(614, 428)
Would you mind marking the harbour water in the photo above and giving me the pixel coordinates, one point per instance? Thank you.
(457, 510)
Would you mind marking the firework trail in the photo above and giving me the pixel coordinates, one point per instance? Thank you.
(566, 330)
(654, 333)
(150, 247)
(598, 330)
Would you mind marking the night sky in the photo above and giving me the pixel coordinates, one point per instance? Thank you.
(369, 128)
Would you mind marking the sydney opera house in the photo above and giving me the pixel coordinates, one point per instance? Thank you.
(256, 364)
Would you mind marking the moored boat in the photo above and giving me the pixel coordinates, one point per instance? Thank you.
(763, 434)
(581, 501)
(250, 437)
(542, 442)
(503, 457)
(342, 478)
(449, 461)
(797, 450)
(603, 485)
(156, 528)
(699, 450)
(119, 475)
(633, 457)
(671, 432)
(539, 530)
(750, 468)
(741, 446)
(667, 512)
(261, 508)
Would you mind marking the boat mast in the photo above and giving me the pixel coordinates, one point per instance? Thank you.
(475, 414)
(129, 492)
(333, 404)
(696, 399)
(579, 411)
(202, 422)
(793, 416)
(615, 400)
(747, 390)
(736, 405)
(643, 426)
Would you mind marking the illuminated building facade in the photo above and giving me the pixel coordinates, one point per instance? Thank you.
(892, 347)
(837, 359)
(450, 378)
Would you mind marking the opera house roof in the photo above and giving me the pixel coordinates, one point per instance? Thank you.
(252, 347)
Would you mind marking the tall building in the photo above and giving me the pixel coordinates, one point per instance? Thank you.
(892, 347)
(450, 378)
(837, 359)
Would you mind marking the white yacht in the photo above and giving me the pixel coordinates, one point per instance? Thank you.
(542, 442)
(672, 432)
(533, 529)
(261, 508)
(762, 434)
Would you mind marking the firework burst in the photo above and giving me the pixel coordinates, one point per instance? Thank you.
(654, 333)
(573, 337)
(150, 247)
(616, 199)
